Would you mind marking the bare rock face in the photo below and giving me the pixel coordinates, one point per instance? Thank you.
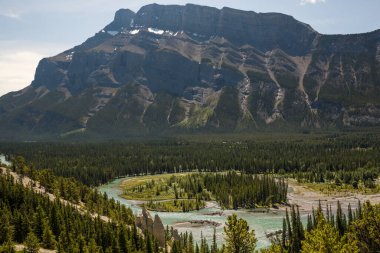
(159, 230)
(172, 68)
(264, 31)
(155, 227)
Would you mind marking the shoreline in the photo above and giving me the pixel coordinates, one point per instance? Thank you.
(300, 195)
(307, 199)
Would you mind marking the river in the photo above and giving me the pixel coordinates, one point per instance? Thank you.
(262, 223)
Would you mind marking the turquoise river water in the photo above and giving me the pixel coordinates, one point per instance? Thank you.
(262, 223)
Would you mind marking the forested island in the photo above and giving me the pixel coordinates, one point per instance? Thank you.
(187, 192)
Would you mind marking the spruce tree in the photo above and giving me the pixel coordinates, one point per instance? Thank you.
(8, 247)
(48, 238)
(214, 247)
(350, 216)
(324, 238)
(6, 228)
(309, 226)
(283, 234)
(31, 243)
(301, 234)
(239, 239)
(339, 219)
(289, 233)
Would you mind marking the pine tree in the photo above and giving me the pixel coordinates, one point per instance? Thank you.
(350, 216)
(48, 238)
(339, 220)
(92, 247)
(239, 238)
(214, 247)
(191, 243)
(8, 247)
(31, 243)
(176, 248)
(6, 228)
(38, 221)
(149, 247)
(21, 227)
(301, 233)
(359, 211)
(289, 233)
(295, 240)
(197, 248)
(60, 247)
(364, 232)
(309, 226)
(283, 234)
(123, 240)
(324, 238)
(327, 213)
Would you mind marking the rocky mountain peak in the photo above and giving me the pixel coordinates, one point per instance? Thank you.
(195, 68)
(123, 19)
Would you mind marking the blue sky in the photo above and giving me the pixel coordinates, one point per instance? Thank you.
(31, 30)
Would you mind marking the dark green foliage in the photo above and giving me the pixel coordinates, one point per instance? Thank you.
(186, 244)
(360, 233)
(55, 225)
(8, 247)
(239, 238)
(94, 164)
(322, 174)
(293, 231)
(233, 190)
(73, 191)
(31, 243)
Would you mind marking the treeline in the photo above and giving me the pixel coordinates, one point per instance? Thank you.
(97, 163)
(180, 205)
(187, 245)
(365, 176)
(33, 219)
(358, 231)
(235, 190)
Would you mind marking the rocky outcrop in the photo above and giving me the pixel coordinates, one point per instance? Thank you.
(123, 18)
(193, 68)
(155, 227)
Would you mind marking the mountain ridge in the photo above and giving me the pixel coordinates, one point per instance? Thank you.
(166, 69)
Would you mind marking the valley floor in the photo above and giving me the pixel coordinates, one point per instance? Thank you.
(302, 195)
(307, 198)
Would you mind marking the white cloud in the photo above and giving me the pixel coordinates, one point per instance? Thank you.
(303, 2)
(17, 70)
(11, 14)
(18, 62)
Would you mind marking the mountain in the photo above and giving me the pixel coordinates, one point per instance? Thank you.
(193, 68)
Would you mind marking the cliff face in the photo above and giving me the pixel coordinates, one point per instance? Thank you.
(265, 31)
(195, 68)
